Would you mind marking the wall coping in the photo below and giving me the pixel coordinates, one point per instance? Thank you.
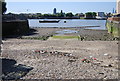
(114, 21)
(14, 20)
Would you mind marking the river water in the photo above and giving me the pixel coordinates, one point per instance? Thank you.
(94, 24)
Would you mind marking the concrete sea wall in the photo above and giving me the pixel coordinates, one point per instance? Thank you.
(16, 27)
(113, 27)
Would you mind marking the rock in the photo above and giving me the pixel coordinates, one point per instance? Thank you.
(23, 67)
(110, 57)
(101, 73)
(94, 59)
(65, 54)
(70, 55)
(56, 52)
(71, 60)
(42, 51)
(91, 56)
(50, 52)
(37, 51)
(85, 60)
(97, 63)
(106, 54)
(109, 65)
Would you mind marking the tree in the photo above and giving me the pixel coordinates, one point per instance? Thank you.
(69, 14)
(46, 15)
(59, 15)
(94, 14)
(4, 9)
(90, 14)
(39, 14)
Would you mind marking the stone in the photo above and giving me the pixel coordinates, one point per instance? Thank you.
(71, 60)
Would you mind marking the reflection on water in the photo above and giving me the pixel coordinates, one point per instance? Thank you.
(66, 31)
(99, 24)
(97, 28)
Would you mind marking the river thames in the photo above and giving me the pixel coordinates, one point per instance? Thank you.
(93, 24)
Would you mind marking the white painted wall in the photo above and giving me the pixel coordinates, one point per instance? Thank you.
(118, 6)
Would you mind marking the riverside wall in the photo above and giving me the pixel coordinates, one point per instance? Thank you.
(16, 27)
(113, 26)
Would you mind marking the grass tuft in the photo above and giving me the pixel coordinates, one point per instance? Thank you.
(65, 37)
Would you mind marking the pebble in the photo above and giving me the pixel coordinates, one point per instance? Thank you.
(109, 57)
(109, 65)
(101, 73)
(91, 56)
(71, 60)
(106, 54)
(96, 63)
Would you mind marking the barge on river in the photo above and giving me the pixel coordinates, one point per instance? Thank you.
(49, 21)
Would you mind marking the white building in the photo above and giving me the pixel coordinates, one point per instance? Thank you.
(101, 15)
(118, 6)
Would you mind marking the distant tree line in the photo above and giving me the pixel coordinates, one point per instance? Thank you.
(89, 15)
(70, 14)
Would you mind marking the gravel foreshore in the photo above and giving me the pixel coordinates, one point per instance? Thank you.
(78, 59)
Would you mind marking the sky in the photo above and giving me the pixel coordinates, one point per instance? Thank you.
(60, 0)
(47, 7)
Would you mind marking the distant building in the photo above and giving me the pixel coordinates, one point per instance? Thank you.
(100, 14)
(80, 15)
(108, 15)
(113, 11)
(54, 11)
(61, 11)
(118, 6)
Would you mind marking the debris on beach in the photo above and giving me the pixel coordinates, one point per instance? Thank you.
(85, 60)
(39, 51)
(43, 51)
(101, 73)
(107, 65)
(96, 63)
(70, 55)
(91, 60)
(106, 54)
(71, 60)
